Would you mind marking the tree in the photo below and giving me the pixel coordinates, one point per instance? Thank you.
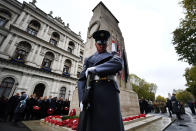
(184, 96)
(190, 75)
(160, 99)
(143, 88)
(184, 37)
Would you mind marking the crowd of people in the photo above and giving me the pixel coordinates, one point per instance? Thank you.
(173, 105)
(23, 107)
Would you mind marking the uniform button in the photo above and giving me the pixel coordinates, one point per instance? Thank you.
(108, 80)
(96, 81)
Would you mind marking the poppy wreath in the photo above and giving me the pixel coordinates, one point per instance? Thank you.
(36, 108)
(134, 117)
(50, 111)
(72, 112)
(66, 108)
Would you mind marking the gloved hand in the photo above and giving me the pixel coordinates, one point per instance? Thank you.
(90, 69)
(81, 106)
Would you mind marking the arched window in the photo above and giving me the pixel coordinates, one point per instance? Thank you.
(71, 47)
(5, 16)
(22, 50)
(33, 27)
(6, 86)
(79, 70)
(78, 74)
(81, 55)
(67, 66)
(47, 61)
(54, 38)
(39, 90)
(62, 92)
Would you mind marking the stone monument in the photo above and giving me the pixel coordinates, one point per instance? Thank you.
(103, 19)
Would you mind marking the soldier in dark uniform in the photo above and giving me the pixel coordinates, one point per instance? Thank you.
(105, 114)
(169, 106)
(175, 106)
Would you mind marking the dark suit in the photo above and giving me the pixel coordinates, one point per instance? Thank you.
(105, 114)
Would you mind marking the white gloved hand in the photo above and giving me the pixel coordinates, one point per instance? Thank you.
(81, 106)
(91, 69)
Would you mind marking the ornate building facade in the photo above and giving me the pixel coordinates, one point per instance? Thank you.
(38, 53)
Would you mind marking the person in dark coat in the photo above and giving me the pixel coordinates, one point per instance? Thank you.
(45, 106)
(12, 103)
(175, 106)
(169, 106)
(191, 106)
(19, 112)
(66, 107)
(105, 114)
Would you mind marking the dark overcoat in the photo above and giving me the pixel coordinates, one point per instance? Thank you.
(105, 114)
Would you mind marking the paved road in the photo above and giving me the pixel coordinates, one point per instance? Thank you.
(12, 126)
(188, 124)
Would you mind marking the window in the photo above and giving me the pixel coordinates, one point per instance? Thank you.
(5, 16)
(54, 38)
(71, 47)
(81, 55)
(2, 21)
(67, 68)
(22, 50)
(47, 61)
(6, 86)
(62, 92)
(33, 27)
(78, 74)
(81, 58)
(70, 50)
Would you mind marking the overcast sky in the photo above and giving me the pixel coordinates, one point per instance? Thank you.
(147, 27)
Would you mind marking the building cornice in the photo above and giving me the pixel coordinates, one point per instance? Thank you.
(17, 31)
(49, 18)
(50, 75)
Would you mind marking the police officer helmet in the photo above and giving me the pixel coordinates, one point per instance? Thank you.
(101, 36)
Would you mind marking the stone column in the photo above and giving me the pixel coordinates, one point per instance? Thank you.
(64, 43)
(62, 64)
(76, 49)
(12, 47)
(72, 68)
(20, 18)
(59, 63)
(27, 86)
(23, 82)
(24, 25)
(5, 43)
(76, 69)
(67, 43)
(41, 31)
(32, 54)
(45, 33)
(38, 60)
(78, 52)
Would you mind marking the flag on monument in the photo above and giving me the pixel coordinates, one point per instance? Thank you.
(125, 65)
(113, 46)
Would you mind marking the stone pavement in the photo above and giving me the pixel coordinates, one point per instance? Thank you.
(157, 123)
(154, 122)
(12, 126)
(188, 124)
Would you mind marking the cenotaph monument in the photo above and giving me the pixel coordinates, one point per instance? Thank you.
(103, 19)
